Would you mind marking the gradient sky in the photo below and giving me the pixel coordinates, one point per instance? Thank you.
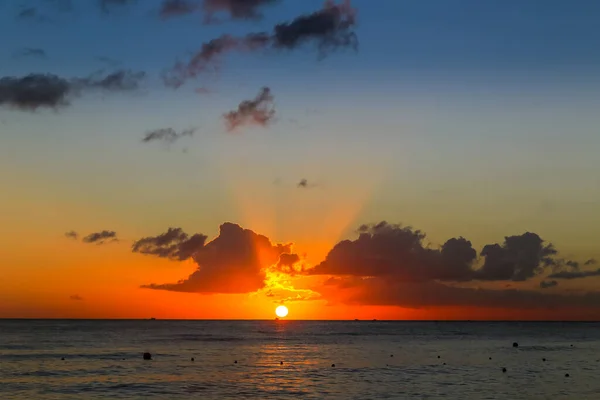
(460, 118)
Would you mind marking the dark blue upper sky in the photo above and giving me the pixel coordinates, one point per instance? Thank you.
(464, 36)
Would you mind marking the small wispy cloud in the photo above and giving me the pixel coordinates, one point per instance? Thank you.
(168, 135)
(258, 111)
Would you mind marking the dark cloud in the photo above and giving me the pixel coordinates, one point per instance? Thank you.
(259, 111)
(174, 244)
(305, 184)
(386, 250)
(35, 91)
(168, 135)
(121, 80)
(101, 237)
(237, 9)
(574, 274)
(30, 52)
(289, 263)
(209, 56)
(548, 284)
(591, 261)
(396, 251)
(72, 235)
(177, 8)
(76, 297)
(381, 291)
(329, 28)
(233, 262)
(518, 258)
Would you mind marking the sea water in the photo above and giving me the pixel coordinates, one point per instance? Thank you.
(295, 360)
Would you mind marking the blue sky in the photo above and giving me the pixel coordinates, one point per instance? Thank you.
(485, 108)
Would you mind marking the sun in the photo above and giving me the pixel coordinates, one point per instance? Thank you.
(281, 311)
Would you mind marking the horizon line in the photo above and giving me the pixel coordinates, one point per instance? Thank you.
(299, 320)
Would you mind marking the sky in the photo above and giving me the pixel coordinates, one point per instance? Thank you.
(367, 159)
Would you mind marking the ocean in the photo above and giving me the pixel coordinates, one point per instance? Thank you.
(298, 360)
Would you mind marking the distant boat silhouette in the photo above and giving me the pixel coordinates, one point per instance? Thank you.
(276, 318)
(152, 319)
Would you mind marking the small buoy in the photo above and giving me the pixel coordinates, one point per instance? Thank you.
(333, 365)
(235, 362)
(147, 356)
(62, 359)
(439, 357)
(490, 358)
(192, 358)
(567, 375)
(281, 363)
(503, 369)
(543, 359)
(571, 345)
(391, 355)
(515, 344)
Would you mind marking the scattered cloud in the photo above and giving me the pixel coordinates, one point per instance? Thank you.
(177, 8)
(591, 261)
(76, 297)
(168, 135)
(289, 263)
(121, 80)
(389, 265)
(209, 57)
(574, 274)
(101, 237)
(236, 9)
(398, 252)
(233, 262)
(329, 28)
(304, 184)
(518, 258)
(72, 235)
(33, 91)
(548, 284)
(30, 52)
(259, 111)
(174, 244)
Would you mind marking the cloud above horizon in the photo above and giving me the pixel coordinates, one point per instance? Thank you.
(259, 111)
(34, 91)
(233, 262)
(101, 237)
(390, 265)
(398, 252)
(387, 265)
(329, 28)
(174, 244)
(168, 135)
